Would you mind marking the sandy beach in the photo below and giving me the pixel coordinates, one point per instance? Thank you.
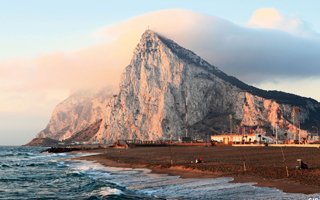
(264, 166)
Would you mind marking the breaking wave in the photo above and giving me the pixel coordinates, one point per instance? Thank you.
(27, 174)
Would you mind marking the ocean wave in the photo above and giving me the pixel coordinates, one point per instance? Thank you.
(6, 154)
(24, 154)
(59, 154)
(107, 191)
(75, 173)
(5, 166)
(35, 164)
(90, 167)
(15, 154)
(62, 164)
(82, 154)
(52, 176)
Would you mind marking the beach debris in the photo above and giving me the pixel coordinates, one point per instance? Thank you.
(301, 164)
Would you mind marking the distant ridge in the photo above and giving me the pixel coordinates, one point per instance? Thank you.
(47, 142)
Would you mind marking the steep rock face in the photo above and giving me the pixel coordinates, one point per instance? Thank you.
(86, 134)
(167, 88)
(154, 90)
(78, 112)
(163, 76)
(268, 114)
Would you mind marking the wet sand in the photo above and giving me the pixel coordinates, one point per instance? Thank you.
(264, 166)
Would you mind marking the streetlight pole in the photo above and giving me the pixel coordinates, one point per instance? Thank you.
(122, 121)
(186, 112)
(299, 132)
(276, 134)
(230, 118)
(317, 132)
(171, 161)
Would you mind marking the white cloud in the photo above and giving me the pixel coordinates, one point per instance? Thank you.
(271, 18)
(252, 54)
(255, 55)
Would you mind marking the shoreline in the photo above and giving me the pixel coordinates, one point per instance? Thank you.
(287, 185)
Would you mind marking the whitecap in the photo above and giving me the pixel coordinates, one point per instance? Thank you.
(143, 182)
(107, 191)
(61, 164)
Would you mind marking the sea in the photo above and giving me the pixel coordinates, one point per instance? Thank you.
(25, 173)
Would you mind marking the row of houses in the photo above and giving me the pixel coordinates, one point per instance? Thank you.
(241, 138)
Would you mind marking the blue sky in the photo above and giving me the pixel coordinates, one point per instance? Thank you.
(33, 27)
(43, 43)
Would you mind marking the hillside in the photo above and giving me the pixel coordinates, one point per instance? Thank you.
(167, 88)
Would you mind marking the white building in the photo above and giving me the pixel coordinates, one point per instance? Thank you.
(241, 138)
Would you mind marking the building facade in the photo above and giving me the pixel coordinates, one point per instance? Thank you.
(241, 138)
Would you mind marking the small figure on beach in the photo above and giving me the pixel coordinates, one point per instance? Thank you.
(301, 164)
(199, 160)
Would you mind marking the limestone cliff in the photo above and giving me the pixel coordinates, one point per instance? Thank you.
(167, 88)
(78, 112)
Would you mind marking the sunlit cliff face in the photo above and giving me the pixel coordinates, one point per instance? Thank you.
(248, 53)
(161, 80)
(215, 39)
(264, 52)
